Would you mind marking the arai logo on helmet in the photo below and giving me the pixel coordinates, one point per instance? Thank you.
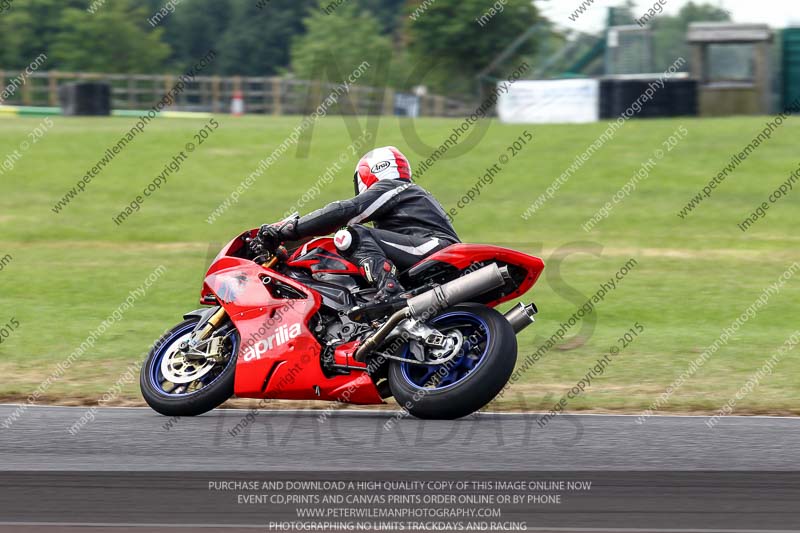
(380, 167)
(282, 336)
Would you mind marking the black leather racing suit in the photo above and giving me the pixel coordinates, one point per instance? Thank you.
(409, 225)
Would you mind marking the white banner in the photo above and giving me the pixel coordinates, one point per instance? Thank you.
(550, 101)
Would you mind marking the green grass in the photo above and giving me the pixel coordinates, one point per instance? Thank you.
(694, 277)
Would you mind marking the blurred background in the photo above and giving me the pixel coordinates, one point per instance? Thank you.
(434, 65)
(613, 118)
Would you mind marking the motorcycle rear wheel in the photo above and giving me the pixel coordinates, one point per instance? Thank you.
(469, 381)
(213, 386)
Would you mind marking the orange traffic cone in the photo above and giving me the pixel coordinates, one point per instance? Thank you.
(237, 104)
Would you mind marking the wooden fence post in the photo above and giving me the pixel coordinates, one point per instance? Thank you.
(388, 101)
(167, 84)
(215, 96)
(26, 92)
(439, 105)
(132, 98)
(277, 96)
(52, 79)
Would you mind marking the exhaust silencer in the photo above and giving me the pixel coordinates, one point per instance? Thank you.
(521, 316)
(458, 291)
(428, 304)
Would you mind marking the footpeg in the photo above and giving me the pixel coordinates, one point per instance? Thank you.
(436, 340)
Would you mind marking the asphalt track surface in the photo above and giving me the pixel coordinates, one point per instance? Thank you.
(655, 465)
(227, 440)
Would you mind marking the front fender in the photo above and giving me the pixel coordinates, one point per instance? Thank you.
(203, 314)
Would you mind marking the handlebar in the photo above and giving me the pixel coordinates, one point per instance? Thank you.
(259, 245)
(272, 254)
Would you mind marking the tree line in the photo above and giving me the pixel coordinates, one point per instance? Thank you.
(443, 44)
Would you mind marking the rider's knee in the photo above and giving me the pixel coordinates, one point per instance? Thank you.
(346, 239)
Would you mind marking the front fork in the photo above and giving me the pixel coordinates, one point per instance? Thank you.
(212, 324)
(216, 319)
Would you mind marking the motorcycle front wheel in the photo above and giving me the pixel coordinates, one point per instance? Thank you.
(471, 379)
(174, 385)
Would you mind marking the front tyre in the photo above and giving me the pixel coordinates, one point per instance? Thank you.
(470, 380)
(175, 386)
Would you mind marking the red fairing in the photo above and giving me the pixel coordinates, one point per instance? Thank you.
(278, 356)
(321, 256)
(228, 250)
(344, 355)
(462, 256)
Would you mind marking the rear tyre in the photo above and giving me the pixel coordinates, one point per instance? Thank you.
(469, 381)
(211, 388)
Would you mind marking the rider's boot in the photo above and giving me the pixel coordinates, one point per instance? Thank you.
(382, 274)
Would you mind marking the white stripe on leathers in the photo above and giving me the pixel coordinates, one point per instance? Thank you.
(377, 204)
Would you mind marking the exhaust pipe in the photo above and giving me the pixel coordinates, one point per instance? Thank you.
(457, 291)
(521, 316)
(438, 299)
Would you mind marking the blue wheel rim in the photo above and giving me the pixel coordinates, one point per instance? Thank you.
(471, 356)
(156, 377)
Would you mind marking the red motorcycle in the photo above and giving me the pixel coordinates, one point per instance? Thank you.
(303, 325)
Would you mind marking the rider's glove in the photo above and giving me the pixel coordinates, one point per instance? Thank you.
(256, 246)
(269, 236)
(272, 235)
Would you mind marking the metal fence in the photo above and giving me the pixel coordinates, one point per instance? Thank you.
(265, 95)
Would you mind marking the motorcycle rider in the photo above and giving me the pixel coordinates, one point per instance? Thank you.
(409, 223)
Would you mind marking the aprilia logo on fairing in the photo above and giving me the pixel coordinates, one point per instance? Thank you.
(282, 336)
